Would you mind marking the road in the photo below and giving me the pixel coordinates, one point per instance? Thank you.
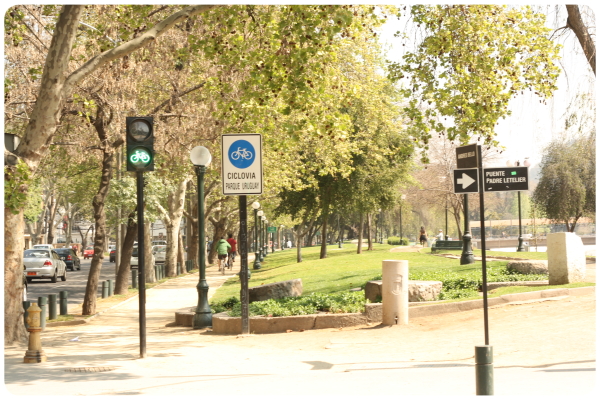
(75, 283)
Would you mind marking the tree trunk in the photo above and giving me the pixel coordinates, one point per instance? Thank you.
(193, 246)
(324, 231)
(51, 216)
(298, 245)
(180, 255)
(369, 238)
(124, 268)
(175, 204)
(360, 233)
(575, 22)
(14, 328)
(150, 274)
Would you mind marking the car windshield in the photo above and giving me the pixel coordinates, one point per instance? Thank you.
(36, 254)
(160, 249)
(63, 251)
(89, 248)
(135, 252)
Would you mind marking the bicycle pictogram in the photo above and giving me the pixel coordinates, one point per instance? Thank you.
(241, 153)
(140, 156)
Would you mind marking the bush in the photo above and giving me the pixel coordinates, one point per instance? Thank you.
(395, 240)
(350, 302)
(457, 286)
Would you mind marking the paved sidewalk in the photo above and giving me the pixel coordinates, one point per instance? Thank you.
(540, 348)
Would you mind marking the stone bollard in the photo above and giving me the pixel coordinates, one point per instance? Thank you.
(34, 353)
(394, 292)
(111, 288)
(566, 258)
(63, 302)
(134, 279)
(43, 304)
(51, 306)
(104, 289)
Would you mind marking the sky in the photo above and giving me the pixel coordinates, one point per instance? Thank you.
(532, 125)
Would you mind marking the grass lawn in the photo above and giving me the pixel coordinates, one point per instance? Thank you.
(342, 270)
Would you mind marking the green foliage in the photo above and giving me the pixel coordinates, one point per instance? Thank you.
(566, 190)
(395, 240)
(472, 61)
(348, 302)
(16, 182)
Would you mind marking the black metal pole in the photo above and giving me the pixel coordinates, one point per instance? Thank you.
(141, 263)
(520, 246)
(256, 242)
(244, 264)
(446, 231)
(483, 260)
(203, 315)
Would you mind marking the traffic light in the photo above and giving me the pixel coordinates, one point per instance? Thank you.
(140, 143)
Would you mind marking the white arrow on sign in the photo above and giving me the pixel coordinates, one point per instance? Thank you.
(466, 181)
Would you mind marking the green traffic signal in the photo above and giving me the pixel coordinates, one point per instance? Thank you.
(140, 157)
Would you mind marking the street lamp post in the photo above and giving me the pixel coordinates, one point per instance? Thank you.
(260, 235)
(526, 164)
(403, 197)
(200, 157)
(380, 226)
(467, 251)
(266, 238)
(256, 206)
(281, 238)
(340, 236)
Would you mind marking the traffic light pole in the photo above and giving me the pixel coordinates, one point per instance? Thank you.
(243, 245)
(141, 263)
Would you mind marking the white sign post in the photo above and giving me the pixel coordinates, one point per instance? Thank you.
(242, 164)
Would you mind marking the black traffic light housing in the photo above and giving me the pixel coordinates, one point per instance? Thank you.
(140, 143)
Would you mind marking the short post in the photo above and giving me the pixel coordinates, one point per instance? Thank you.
(51, 306)
(484, 370)
(104, 289)
(26, 305)
(156, 272)
(179, 271)
(43, 304)
(394, 292)
(63, 301)
(34, 353)
(134, 279)
(110, 287)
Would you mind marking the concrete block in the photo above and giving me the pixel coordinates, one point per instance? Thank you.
(374, 312)
(566, 258)
(417, 290)
(528, 266)
(339, 320)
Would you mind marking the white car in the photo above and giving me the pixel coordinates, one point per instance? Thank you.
(43, 246)
(159, 253)
(43, 264)
(134, 258)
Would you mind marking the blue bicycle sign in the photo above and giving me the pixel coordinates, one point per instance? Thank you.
(241, 154)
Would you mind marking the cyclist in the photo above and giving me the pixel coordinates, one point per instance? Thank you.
(222, 250)
(233, 251)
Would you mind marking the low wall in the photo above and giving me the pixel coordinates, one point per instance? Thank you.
(223, 324)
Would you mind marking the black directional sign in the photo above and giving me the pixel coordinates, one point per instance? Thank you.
(466, 156)
(505, 179)
(465, 181)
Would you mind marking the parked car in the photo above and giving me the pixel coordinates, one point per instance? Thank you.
(88, 252)
(134, 258)
(43, 264)
(159, 243)
(43, 246)
(160, 253)
(112, 255)
(70, 258)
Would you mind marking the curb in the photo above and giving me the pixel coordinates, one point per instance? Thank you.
(222, 324)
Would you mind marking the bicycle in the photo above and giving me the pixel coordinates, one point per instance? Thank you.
(241, 153)
(230, 260)
(140, 156)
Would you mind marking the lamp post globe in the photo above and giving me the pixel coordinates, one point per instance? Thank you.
(201, 158)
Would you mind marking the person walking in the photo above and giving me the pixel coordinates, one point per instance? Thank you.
(423, 237)
(222, 249)
(233, 251)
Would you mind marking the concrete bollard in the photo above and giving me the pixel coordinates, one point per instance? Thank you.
(111, 288)
(104, 289)
(51, 306)
(394, 292)
(26, 305)
(43, 304)
(34, 353)
(134, 279)
(63, 302)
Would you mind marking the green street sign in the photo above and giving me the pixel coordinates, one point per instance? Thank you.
(271, 229)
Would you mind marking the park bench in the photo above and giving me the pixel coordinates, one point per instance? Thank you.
(446, 245)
